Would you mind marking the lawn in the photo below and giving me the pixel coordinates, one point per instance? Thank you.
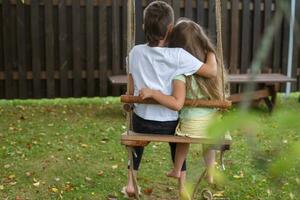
(70, 149)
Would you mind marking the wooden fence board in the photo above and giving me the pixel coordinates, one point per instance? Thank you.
(77, 82)
(267, 19)
(124, 35)
(176, 8)
(115, 43)
(245, 57)
(256, 26)
(64, 61)
(200, 12)
(234, 36)
(1, 45)
(49, 48)
(277, 58)
(188, 11)
(7, 48)
(90, 48)
(212, 19)
(140, 38)
(103, 49)
(21, 50)
(35, 42)
(225, 32)
(297, 43)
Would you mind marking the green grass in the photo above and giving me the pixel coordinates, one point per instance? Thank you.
(70, 149)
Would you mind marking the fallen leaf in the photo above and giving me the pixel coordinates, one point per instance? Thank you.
(239, 176)
(22, 117)
(88, 179)
(18, 198)
(1, 187)
(169, 189)
(269, 192)
(68, 187)
(148, 191)
(114, 166)
(7, 166)
(13, 183)
(100, 173)
(111, 197)
(84, 145)
(12, 176)
(28, 174)
(54, 189)
(36, 184)
(219, 194)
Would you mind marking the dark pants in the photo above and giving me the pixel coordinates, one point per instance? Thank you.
(141, 125)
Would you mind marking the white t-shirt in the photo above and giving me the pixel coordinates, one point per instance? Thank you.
(155, 68)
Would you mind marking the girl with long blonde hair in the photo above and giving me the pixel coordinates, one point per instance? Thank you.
(193, 121)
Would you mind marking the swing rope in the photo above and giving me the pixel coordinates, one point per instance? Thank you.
(130, 44)
(220, 43)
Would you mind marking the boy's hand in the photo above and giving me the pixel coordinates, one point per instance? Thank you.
(146, 93)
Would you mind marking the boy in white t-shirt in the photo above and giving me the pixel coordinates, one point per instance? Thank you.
(154, 66)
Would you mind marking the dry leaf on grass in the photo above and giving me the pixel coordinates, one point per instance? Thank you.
(148, 191)
(111, 197)
(100, 173)
(88, 179)
(114, 166)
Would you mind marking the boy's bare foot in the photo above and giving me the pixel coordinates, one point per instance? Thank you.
(130, 190)
(173, 174)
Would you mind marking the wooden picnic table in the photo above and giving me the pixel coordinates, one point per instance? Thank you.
(267, 86)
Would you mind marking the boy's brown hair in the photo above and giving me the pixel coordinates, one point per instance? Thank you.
(157, 17)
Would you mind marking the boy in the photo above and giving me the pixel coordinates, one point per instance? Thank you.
(154, 66)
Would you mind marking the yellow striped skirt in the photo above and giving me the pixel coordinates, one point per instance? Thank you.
(195, 127)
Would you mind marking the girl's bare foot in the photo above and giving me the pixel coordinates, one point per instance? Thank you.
(173, 174)
(210, 180)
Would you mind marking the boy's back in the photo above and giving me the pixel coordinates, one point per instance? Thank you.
(155, 68)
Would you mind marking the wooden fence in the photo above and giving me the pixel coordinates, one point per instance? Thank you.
(68, 48)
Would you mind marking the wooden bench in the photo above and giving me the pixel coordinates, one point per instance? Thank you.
(267, 86)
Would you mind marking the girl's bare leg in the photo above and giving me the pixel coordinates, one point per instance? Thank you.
(180, 156)
(209, 159)
(181, 181)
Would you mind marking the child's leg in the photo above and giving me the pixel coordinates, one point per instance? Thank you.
(181, 180)
(181, 153)
(137, 157)
(209, 156)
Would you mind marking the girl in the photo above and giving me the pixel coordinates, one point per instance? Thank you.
(193, 121)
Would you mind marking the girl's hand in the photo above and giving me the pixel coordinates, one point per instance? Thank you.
(146, 93)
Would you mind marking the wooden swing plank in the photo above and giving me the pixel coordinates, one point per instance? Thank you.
(188, 102)
(132, 137)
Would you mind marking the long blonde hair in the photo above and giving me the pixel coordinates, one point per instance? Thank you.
(191, 37)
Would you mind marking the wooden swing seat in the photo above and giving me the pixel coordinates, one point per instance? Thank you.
(138, 139)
